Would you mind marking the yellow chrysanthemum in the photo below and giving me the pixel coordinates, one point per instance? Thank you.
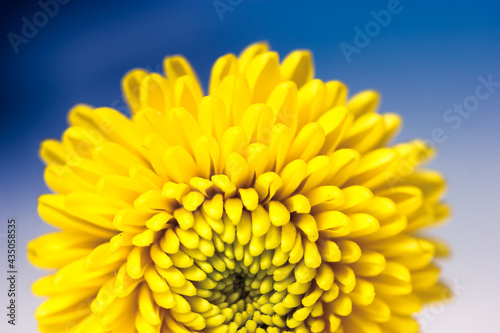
(270, 205)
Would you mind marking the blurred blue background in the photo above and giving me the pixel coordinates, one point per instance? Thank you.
(425, 60)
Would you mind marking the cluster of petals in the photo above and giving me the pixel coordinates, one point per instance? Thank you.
(272, 203)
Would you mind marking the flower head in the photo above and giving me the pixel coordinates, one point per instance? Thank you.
(272, 204)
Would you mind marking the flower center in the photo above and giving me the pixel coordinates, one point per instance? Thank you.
(238, 259)
(240, 294)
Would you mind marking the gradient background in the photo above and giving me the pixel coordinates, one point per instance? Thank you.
(424, 61)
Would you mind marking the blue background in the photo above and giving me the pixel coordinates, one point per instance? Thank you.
(426, 59)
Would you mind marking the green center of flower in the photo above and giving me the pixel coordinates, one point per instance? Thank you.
(242, 295)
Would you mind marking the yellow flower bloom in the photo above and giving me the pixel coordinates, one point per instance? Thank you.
(272, 204)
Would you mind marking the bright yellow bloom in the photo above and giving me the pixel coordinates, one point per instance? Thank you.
(272, 204)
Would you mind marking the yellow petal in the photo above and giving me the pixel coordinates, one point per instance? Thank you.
(346, 278)
(363, 103)
(233, 208)
(263, 75)
(235, 93)
(148, 307)
(183, 128)
(63, 179)
(52, 151)
(137, 261)
(237, 169)
(376, 168)
(178, 66)
(131, 86)
(345, 163)
(155, 92)
(325, 198)
(311, 102)
(309, 226)
(283, 101)
(325, 276)
(394, 280)
(307, 143)
(51, 209)
(342, 305)
(181, 165)
(298, 203)
(358, 323)
(388, 227)
(335, 122)
(188, 94)
(159, 257)
(333, 223)
(365, 133)
(207, 156)
(92, 207)
(257, 120)
(258, 156)
(278, 213)
(364, 292)
(244, 229)
(336, 94)
(363, 224)
(224, 66)
(330, 251)
(104, 255)
(392, 124)
(260, 221)
(292, 175)
(408, 199)
(312, 257)
(400, 324)
(118, 128)
(249, 53)
(298, 67)
(58, 249)
(81, 115)
(155, 281)
(279, 146)
(212, 117)
(351, 252)
(370, 263)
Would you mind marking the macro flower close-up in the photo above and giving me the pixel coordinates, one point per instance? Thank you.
(269, 201)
